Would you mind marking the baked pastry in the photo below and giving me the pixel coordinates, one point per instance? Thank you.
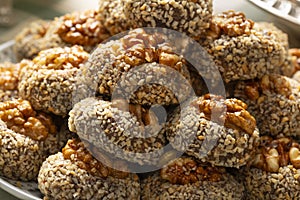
(190, 17)
(78, 28)
(214, 130)
(27, 138)
(53, 72)
(75, 174)
(274, 171)
(140, 66)
(185, 178)
(128, 132)
(274, 102)
(240, 51)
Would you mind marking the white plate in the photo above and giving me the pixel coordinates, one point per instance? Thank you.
(19, 189)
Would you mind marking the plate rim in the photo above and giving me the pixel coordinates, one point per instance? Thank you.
(261, 4)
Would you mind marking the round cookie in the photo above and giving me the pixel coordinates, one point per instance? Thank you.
(75, 174)
(128, 132)
(139, 66)
(184, 178)
(215, 130)
(274, 102)
(274, 172)
(240, 51)
(53, 72)
(27, 138)
(78, 28)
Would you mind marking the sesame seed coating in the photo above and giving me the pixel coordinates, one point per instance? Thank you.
(53, 72)
(190, 17)
(60, 178)
(154, 187)
(116, 131)
(211, 136)
(274, 102)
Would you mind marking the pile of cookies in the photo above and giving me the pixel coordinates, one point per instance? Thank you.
(99, 107)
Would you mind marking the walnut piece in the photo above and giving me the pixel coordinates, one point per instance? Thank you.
(231, 112)
(231, 23)
(60, 58)
(9, 74)
(186, 170)
(75, 151)
(82, 28)
(275, 153)
(20, 117)
(295, 53)
(268, 84)
(142, 47)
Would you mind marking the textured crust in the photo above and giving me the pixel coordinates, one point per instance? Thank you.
(136, 66)
(190, 131)
(21, 157)
(53, 71)
(154, 187)
(283, 184)
(274, 102)
(190, 17)
(116, 132)
(60, 178)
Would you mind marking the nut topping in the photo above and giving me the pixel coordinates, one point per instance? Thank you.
(230, 23)
(231, 112)
(20, 117)
(186, 170)
(273, 154)
(76, 152)
(82, 28)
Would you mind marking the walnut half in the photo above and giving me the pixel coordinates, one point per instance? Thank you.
(231, 112)
(76, 151)
(20, 117)
(186, 170)
(273, 154)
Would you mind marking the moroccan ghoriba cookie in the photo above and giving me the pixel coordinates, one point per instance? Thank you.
(274, 102)
(139, 66)
(129, 132)
(214, 130)
(274, 172)
(75, 174)
(77, 28)
(48, 81)
(27, 138)
(240, 51)
(185, 178)
(190, 17)
(9, 79)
